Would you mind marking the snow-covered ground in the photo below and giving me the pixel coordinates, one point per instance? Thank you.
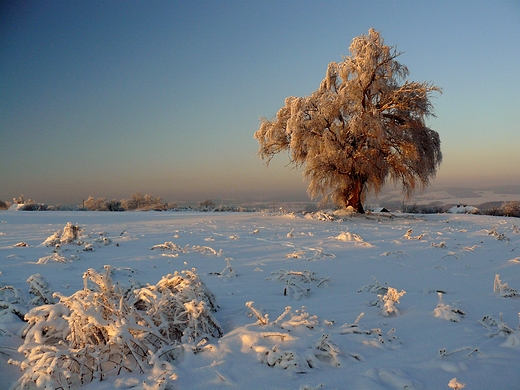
(375, 302)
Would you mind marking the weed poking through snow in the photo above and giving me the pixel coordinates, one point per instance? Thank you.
(503, 289)
(296, 282)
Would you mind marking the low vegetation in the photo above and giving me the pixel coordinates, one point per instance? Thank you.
(146, 202)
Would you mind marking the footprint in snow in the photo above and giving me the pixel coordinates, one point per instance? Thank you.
(393, 378)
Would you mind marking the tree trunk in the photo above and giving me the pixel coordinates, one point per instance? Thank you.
(353, 198)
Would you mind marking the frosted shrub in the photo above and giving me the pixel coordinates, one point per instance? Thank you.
(105, 329)
(52, 240)
(180, 306)
(376, 287)
(370, 337)
(408, 235)
(229, 271)
(70, 235)
(447, 312)
(298, 318)
(503, 289)
(455, 384)
(348, 236)
(285, 329)
(387, 297)
(170, 246)
(500, 328)
(499, 236)
(387, 302)
(54, 257)
(11, 302)
(277, 357)
(511, 209)
(326, 351)
(310, 387)
(323, 351)
(40, 289)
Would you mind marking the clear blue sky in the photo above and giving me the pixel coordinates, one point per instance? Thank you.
(107, 98)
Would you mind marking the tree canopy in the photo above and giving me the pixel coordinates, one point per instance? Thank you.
(364, 125)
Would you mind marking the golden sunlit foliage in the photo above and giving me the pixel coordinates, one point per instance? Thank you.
(364, 125)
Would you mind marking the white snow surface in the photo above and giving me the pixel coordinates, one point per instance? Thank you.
(463, 209)
(455, 322)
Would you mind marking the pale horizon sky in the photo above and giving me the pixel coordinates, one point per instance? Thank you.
(163, 97)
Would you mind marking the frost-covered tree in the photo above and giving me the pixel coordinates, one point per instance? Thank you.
(363, 126)
(94, 204)
(511, 209)
(139, 201)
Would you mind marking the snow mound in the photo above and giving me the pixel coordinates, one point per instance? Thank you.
(347, 212)
(464, 209)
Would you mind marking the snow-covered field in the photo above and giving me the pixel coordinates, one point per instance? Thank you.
(375, 302)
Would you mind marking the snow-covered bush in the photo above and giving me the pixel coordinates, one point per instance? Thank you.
(324, 350)
(299, 318)
(387, 297)
(207, 205)
(447, 312)
(40, 289)
(348, 236)
(408, 235)
(499, 236)
(169, 246)
(387, 302)
(500, 328)
(105, 329)
(275, 356)
(320, 215)
(228, 271)
(375, 287)
(511, 209)
(503, 289)
(69, 235)
(455, 384)
(11, 302)
(370, 337)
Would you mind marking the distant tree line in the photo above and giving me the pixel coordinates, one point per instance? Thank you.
(137, 202)
(146, 202)
(501, 209)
